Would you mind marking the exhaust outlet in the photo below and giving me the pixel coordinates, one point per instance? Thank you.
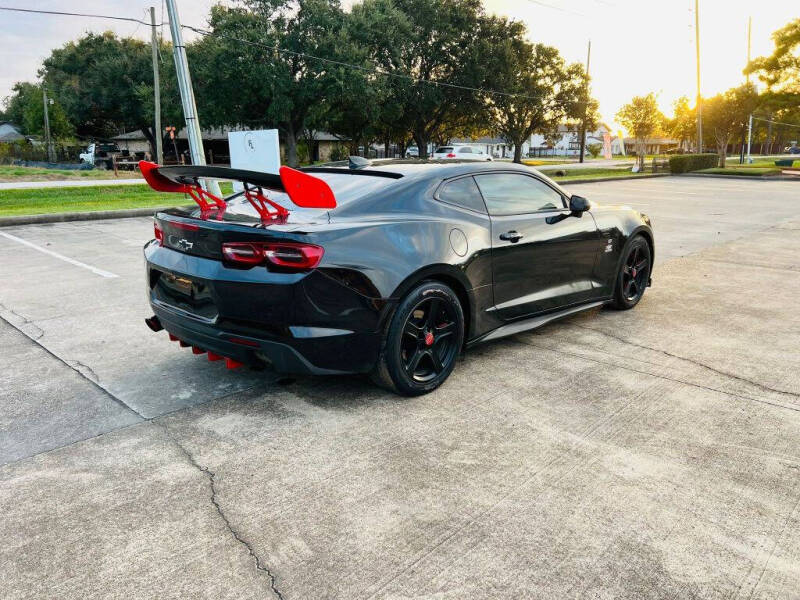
(154, 324)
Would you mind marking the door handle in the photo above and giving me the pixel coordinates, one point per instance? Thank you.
(511, 236)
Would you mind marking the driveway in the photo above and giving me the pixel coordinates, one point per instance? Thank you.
(643, 454)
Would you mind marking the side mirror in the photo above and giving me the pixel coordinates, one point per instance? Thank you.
(578, 205)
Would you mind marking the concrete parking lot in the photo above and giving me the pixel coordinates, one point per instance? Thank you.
(643, 454)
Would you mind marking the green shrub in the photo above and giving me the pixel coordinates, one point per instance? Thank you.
(686, 163)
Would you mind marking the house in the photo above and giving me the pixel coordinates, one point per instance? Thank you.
(566, 141)
(10, 132)
(653, 145)
(215, 144)
(493, 146)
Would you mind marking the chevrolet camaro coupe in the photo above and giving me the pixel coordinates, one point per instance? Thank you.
(391, 268)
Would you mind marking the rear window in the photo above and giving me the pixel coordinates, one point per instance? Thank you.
(346, 188)
(444, 150)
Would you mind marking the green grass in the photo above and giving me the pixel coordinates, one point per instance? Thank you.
(744, 170)
(13, 173)
(15, 203)
(590, 173)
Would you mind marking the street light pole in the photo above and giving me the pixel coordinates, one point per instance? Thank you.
(47, 139)
(585, 104)
(156, 89)
(193, 132)
(699, 98)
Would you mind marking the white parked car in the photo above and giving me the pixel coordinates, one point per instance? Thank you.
(412, 152)
(461, 153)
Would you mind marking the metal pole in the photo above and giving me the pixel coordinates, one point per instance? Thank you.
(156, 90)
(585, 106)
(47, 139)
(749, 40)
(193, 132)
(699, 98)
(749, 139)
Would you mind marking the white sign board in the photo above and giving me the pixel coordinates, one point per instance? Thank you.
(254, 151)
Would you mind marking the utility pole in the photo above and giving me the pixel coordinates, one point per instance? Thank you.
(749, 42)
(48, 141)
(193, 132)
(699, 98)
(156, 90)
(585, 104)
(750, 125)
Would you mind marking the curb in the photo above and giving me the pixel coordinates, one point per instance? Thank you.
(611, 179)
(79, 216)
(745, 177)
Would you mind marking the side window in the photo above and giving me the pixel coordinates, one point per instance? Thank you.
(465, 150)
(514, 194)
(462, 192)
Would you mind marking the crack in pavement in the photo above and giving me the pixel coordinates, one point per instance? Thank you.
(38, 331)
(81, 367)
(697, 363)
(673, 379)
(211, 476)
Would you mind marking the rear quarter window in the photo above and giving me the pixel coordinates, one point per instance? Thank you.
(462, 192)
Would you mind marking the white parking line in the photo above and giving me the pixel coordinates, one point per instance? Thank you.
(71, 261)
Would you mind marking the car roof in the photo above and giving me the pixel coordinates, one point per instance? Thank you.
(421, 169)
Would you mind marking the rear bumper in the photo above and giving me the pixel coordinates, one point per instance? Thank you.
(313, 356)
(309, 324)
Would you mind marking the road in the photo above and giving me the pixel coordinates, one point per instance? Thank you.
(643, 454)
(31, 185)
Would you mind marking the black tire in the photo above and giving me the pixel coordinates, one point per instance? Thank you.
(422, 342)
(634, 274)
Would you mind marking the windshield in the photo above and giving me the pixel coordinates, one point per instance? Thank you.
(444, 150)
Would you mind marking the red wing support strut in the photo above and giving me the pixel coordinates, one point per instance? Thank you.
(262, 204)
(200, 195)
(162, 184)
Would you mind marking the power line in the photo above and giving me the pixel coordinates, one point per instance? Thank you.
(776, 122)
(71, 14)
(374, 69)
(553, 7)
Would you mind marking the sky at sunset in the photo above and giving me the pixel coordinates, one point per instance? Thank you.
(638, 46)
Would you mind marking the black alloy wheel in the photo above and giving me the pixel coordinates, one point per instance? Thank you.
(423, 341)
(634, 276)
(427, 346)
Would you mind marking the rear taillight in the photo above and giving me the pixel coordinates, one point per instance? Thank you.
(287, 255)
(451, 155)
(158, 233)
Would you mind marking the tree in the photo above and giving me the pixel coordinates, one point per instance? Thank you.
(643, 119)
(105, 85)
(25, 108)
(258, 68)
(781, 72)
(683, 125)
(728, 113)
(781, 69)
(432, 55)
(545, 90)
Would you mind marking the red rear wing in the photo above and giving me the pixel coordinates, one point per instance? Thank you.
(304, 190)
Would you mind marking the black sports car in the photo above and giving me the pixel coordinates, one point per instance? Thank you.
(390, 268)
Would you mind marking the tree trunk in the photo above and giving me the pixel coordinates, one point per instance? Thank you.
(518, 151)
(147, 132)
(386, 145)
(722, 151)
(291, 146)
(422, 144)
